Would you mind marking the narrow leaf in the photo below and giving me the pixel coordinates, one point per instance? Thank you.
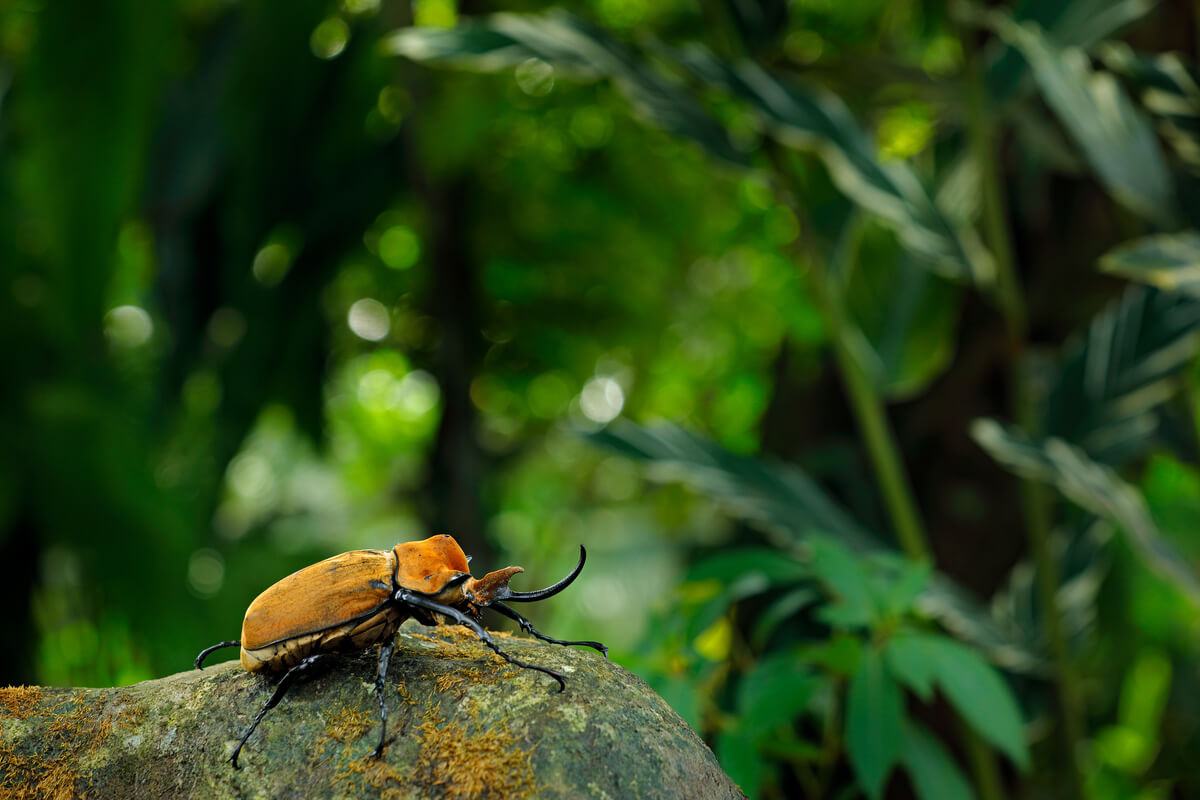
(1093, 487)
(809, 118)
(1115, 136)
(1169, 89)
(904, 315)
(934, 773)
(579, 49)
(980, 695)
(1168, 261)
(790, 507)
(1107, 391)
(909, 657)
(874, 723)
(1079, 23)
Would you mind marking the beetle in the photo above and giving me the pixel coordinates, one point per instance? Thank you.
(357, 599)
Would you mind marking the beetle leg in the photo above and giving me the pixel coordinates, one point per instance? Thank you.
(405, 596)
(527, 626)
(199, 662)
(285, 683)
(385, 655)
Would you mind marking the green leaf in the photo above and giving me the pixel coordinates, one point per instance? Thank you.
(874, 723)
(757, 564)
(739, 574)
(934, 774)
(1093, 487)
(1107, 392)
(910, 659)
(759, 22)
(848, 580)
(1170, 91)
(1081, 23)
(981, 696)
(812, 119)
(904, 316)
(580, 50)
(741, 760)
(1114, 135)
(774, 693)
(903, 590)
(1168, 261)
(791, 508)
(782, 608)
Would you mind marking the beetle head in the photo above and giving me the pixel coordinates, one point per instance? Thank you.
(493, 587)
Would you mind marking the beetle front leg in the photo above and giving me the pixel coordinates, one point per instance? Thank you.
(405, 596)
(285, 683)
(527, 626)
(385, 656)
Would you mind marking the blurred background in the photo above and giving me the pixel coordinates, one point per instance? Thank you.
(856, 340)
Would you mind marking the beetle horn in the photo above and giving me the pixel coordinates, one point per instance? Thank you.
(528, 597)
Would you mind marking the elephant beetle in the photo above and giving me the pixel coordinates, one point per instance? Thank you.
(357, 599)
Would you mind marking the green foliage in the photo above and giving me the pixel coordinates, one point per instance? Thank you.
(874, 723)
(270, 289)
(1113, 133)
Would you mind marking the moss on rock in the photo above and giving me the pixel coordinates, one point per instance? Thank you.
(462, 723)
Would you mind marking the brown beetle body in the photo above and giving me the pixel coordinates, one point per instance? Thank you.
(358, 599)
(344, 603)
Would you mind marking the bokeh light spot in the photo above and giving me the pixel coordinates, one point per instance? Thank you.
(226, 327)
(250, 476)
(369, 319)
(271, 264)
(128, 326)
(548, 395)
(435, 13)
(206, 572)
(399, 247)
(591, 127)
(601, 399)
(416, 394)
(534, 77)
(329, 39)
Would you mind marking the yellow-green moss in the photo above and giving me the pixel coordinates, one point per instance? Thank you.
(18, 701)
(485, 763)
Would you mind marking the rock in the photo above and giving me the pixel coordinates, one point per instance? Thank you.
(462, 723)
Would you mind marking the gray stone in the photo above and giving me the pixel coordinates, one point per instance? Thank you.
(463, 723)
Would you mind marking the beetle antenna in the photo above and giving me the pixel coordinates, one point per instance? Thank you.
(549, 591)
(199, 662)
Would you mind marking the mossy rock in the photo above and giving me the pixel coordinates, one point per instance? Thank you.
(463, 723)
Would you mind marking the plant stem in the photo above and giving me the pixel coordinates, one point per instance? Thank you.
(983, 764)
(872, 421)
(868, 405)
(1034, 499)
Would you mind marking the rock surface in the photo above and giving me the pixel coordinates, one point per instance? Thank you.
(462, 724)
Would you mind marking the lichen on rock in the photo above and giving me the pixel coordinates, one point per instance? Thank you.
(463, 723)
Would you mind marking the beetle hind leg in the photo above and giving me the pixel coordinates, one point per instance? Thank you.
(285, 683)
(527, 626)
(419, 601)
(385, 656)
(199, 662)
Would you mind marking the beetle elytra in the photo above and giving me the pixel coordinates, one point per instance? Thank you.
(357, 599)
